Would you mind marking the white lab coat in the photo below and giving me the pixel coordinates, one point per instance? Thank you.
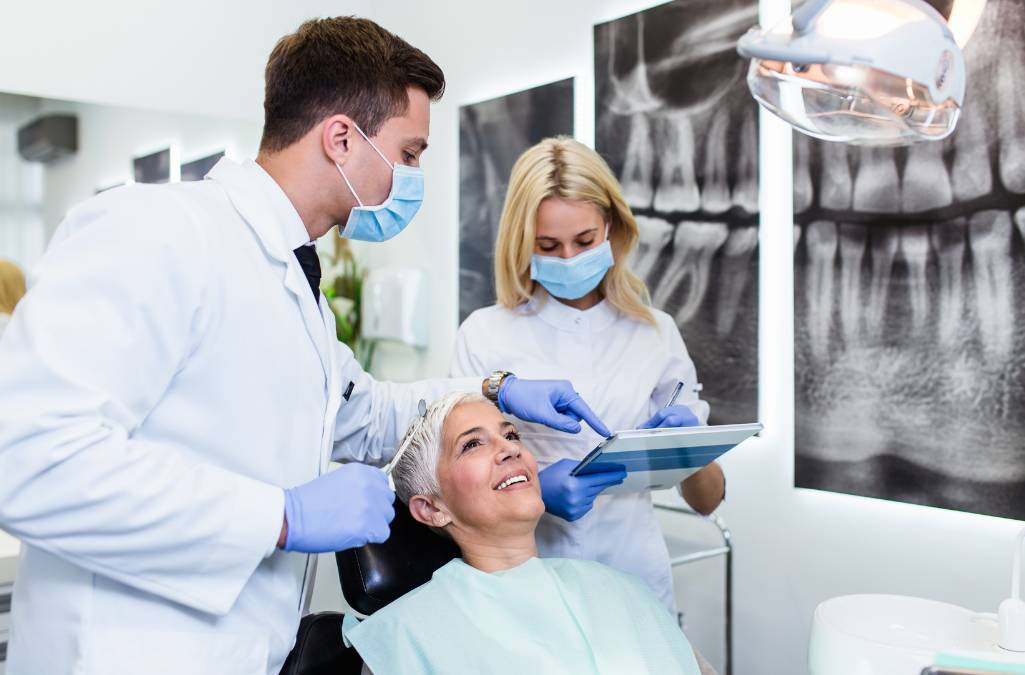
(166, 375)
(625, 370)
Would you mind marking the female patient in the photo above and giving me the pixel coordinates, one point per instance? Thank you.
(501, 609)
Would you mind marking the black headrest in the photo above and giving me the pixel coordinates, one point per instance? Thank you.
(375, 574)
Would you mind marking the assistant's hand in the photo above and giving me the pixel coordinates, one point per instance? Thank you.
(673, 416)
(570, 497)
(553, 403)
(346, 508)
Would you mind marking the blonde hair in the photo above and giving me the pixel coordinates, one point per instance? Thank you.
(563, 168)
(12, 286)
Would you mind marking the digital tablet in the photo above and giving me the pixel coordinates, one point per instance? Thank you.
(656, 459)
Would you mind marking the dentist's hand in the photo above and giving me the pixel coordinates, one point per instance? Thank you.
(673, 416)
(570, 497)
(553, 403)
(346, 508)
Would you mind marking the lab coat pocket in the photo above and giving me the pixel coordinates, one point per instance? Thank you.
(126, 651)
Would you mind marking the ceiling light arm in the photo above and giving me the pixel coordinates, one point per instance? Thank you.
(805, 15)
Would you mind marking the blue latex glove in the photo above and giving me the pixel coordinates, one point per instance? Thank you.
(553, 403)
(348, 507)
(673, 416)
(570, 497)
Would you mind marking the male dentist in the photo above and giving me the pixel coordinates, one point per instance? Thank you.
(171, 389)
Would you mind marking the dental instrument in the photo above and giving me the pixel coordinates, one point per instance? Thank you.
(421, 408)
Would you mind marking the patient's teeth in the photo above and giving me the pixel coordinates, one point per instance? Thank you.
(797, 235)
(820, 242)
(512, 480)
(971, 175)
(926, 184)
(745, 190)
(654, 234)
(715, 192)
(735, 270)
(883, 247)
(803, 192)
(914, 245)
(1011, 117)
(852, 253)
(677, 186)
(686, 281)
(990, 239)
(835, 181)
(639, 165)
(948, 239)
(876, 187)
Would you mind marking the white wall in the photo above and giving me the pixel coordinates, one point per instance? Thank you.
(22, 233)
(110, 136)
(795, 548)
(186, 56)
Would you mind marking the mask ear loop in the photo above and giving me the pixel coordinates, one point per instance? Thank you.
(391, 165)
(346, 179)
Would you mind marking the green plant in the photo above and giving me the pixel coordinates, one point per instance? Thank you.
(342, 285)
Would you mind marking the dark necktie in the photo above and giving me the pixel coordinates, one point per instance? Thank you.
(308, 260)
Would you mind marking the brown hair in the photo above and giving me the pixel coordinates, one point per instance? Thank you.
(341, 65)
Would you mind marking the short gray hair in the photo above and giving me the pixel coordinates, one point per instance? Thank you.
(416, 472)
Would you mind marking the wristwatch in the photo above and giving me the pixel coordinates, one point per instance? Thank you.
(494, 383)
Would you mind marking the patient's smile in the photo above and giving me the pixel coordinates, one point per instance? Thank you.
(510, 482)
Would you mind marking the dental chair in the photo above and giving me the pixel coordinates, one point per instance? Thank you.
(371, 577)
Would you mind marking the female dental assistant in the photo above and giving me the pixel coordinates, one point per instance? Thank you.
(569, 306)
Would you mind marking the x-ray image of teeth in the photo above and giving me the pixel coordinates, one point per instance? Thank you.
(680, 131)
(910, 301)
(492, 136)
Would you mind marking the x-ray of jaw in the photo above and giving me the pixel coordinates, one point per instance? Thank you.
(910, 289)
(680, 131)
(492, 136)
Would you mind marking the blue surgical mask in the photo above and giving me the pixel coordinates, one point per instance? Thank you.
(387, 219)
(573, 278)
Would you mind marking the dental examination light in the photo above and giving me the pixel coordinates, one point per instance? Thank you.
(865, 72)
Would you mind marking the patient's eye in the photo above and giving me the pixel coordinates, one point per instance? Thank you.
(470, 444)
(512, 435)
